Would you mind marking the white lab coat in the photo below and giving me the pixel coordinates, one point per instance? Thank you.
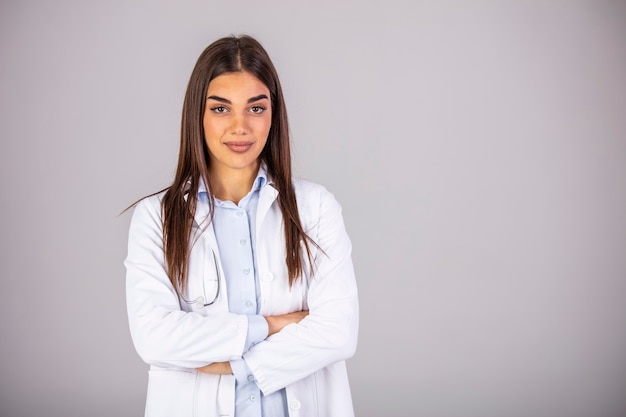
(175, 337)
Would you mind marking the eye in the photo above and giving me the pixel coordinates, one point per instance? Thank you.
(257, 109)
(219, 109)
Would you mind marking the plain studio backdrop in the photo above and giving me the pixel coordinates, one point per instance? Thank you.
(478, 149)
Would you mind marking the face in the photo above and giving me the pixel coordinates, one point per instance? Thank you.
(237, 121)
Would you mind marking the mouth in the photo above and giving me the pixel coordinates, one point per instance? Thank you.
(239, 146)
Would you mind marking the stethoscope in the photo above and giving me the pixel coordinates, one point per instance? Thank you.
(202, 300)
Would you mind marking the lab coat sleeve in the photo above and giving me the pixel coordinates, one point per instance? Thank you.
(329, 333)
(164, 334)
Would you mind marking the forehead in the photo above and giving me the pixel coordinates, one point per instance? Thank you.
(234, 85)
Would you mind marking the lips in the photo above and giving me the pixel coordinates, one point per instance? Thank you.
(239, 146)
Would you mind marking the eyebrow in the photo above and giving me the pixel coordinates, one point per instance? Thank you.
(227, 101)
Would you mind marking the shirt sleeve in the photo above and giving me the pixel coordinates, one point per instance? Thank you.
(241, 371)
(258, 330)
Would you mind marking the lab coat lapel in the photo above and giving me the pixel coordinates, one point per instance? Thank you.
(266, 198)
(203, 230)
(203, 227)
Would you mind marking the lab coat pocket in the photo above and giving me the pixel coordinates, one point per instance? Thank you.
(181, 393)
(170, 393)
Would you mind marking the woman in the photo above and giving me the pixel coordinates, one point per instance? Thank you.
(240, 286)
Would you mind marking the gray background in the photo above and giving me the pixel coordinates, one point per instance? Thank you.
(478, 149)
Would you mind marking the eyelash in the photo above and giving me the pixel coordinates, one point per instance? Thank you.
(218, 109)
(255, 109)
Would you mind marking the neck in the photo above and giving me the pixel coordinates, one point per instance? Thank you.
(232, 184)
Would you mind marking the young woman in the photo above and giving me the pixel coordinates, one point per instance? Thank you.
(240, 287)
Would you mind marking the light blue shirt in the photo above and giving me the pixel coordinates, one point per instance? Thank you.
(234, 226)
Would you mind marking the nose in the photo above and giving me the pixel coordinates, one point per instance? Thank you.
(239, 124)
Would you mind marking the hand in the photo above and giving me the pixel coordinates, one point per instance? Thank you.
(276, 323)
(217, 368)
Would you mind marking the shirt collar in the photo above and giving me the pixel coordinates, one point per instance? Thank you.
(259, 182)
(261, 178)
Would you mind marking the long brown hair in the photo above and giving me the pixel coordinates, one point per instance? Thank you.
(227, 55)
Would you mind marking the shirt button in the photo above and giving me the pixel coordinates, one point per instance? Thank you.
(243, 241)
(249, 303)
(267, 277)
(246, 271)
(253, 398)
(250, 378)
(240, 213)
(294, 405)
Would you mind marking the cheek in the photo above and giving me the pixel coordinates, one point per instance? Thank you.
(265, 126)
(211, 129)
